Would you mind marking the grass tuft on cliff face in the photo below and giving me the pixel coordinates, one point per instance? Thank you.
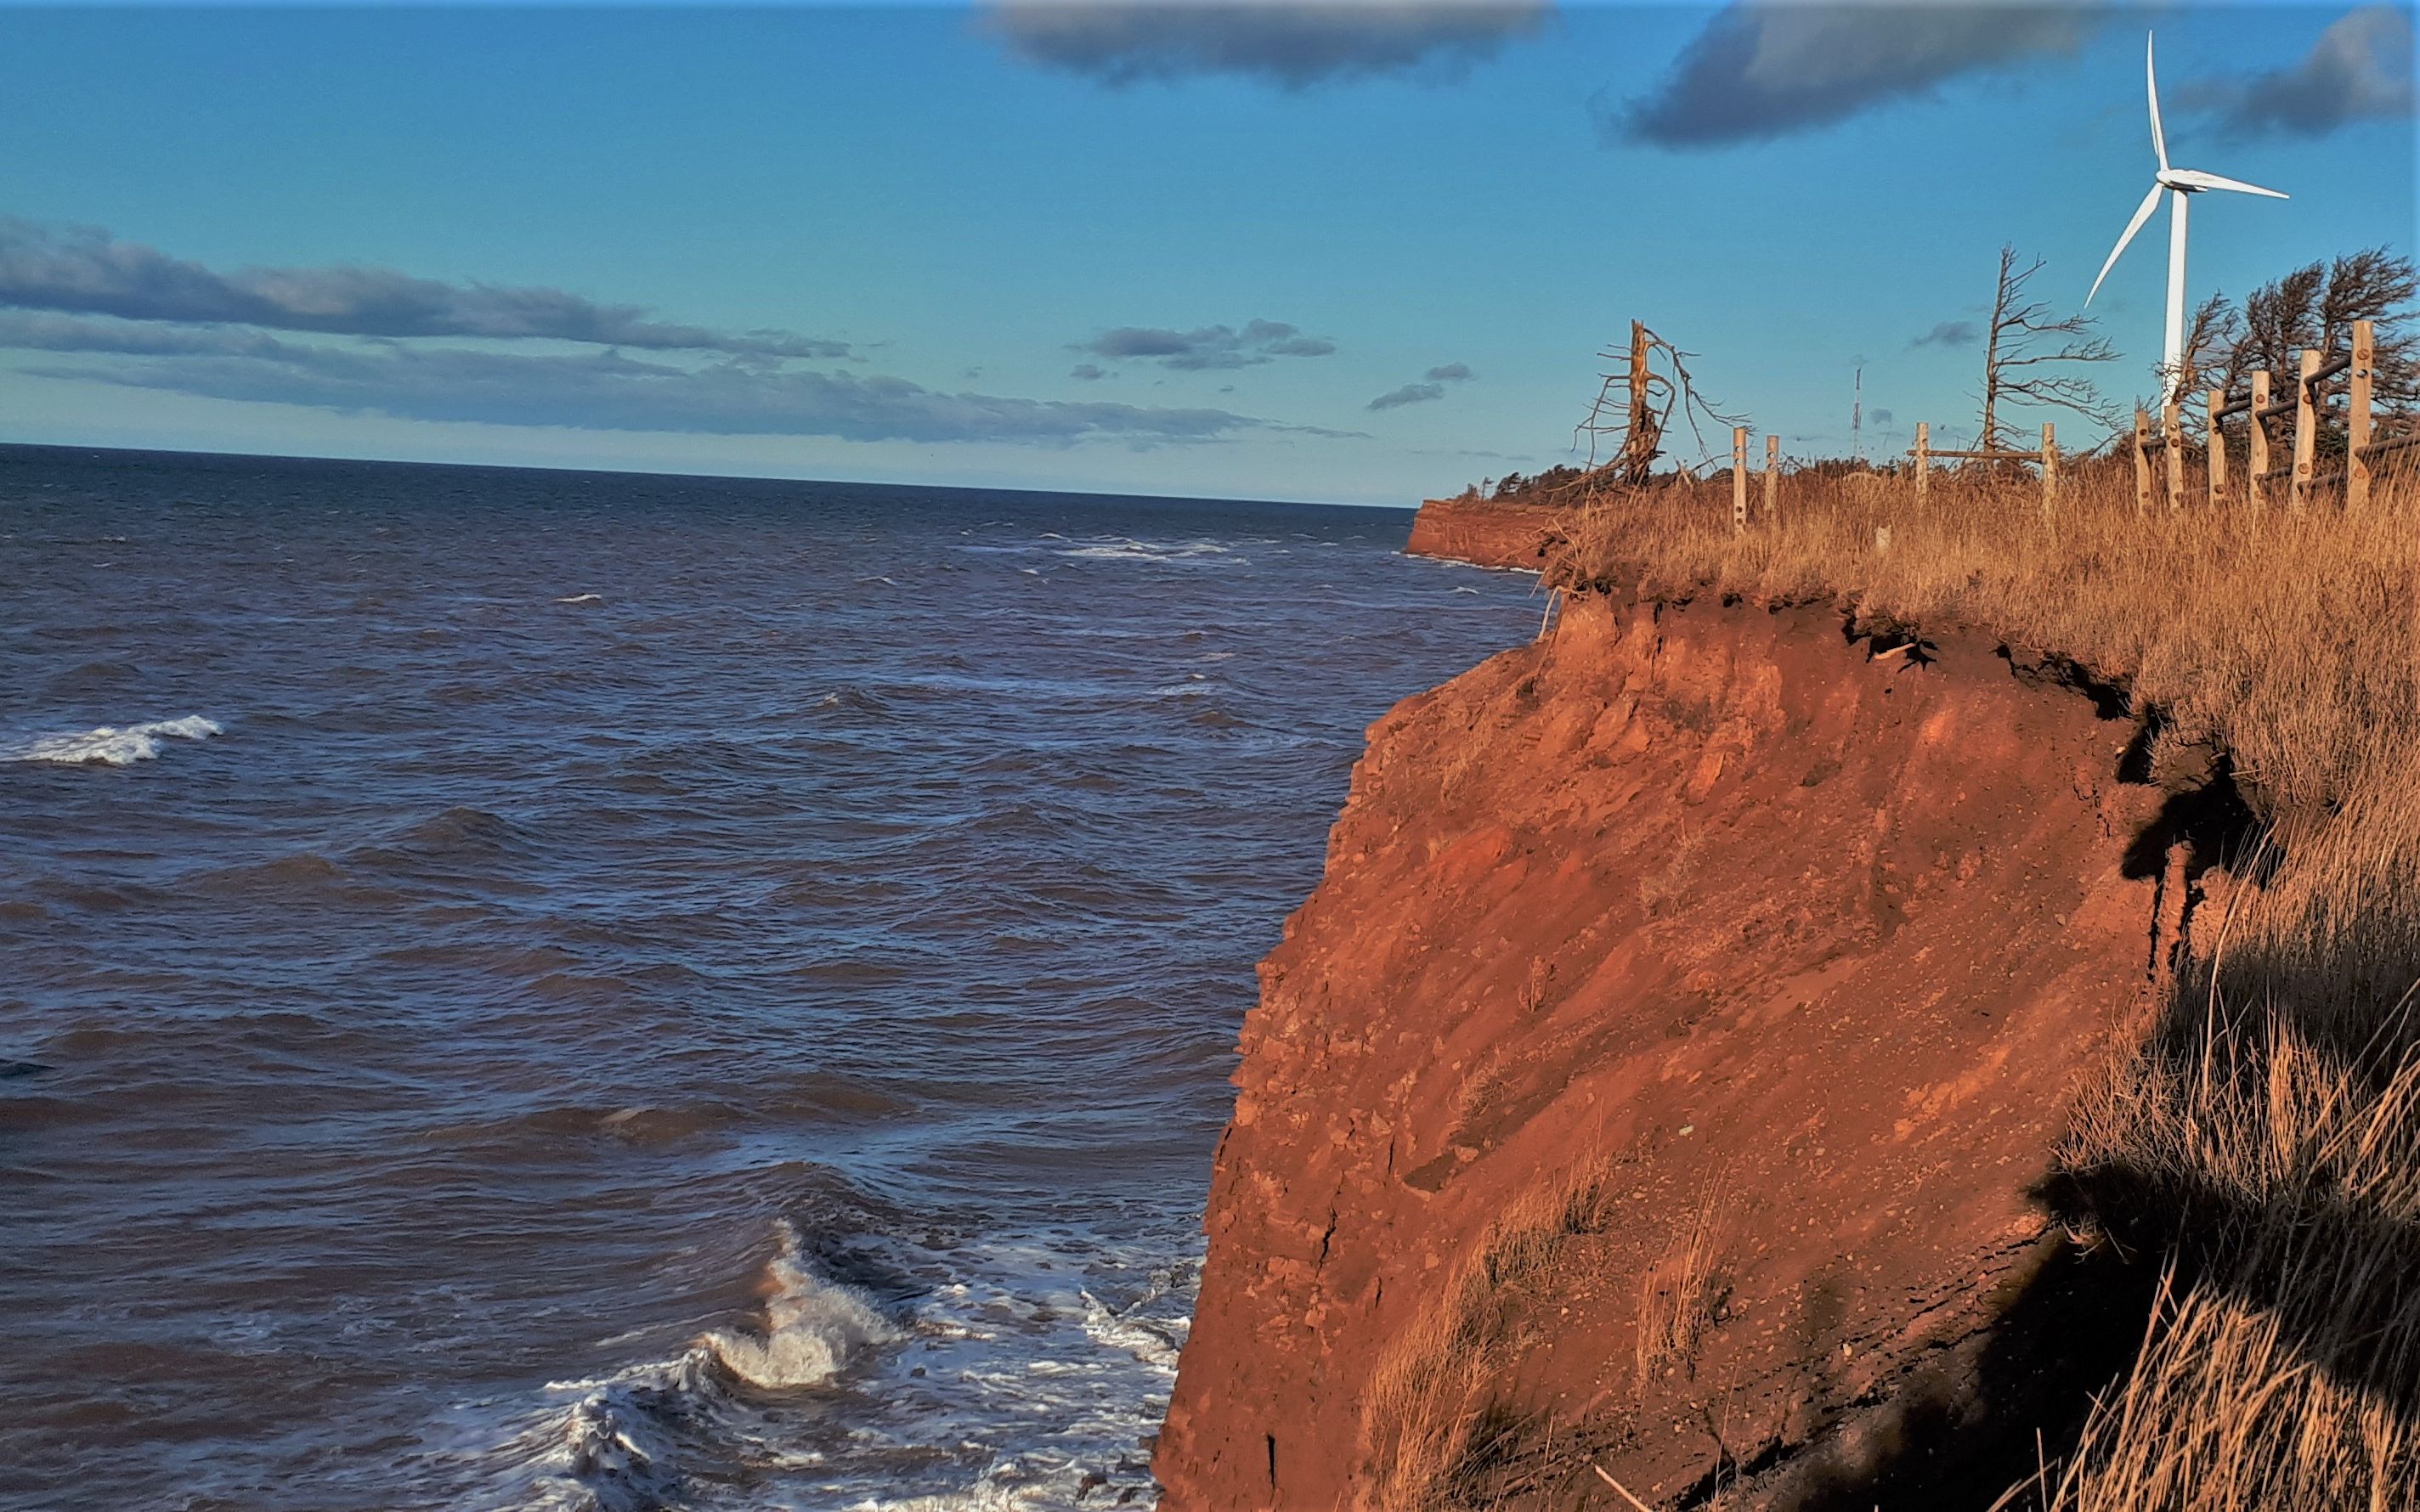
(1679, 1295)
(2264, 1132)
(1429, 1425)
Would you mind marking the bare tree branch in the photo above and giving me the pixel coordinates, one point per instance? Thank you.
(2025, 333)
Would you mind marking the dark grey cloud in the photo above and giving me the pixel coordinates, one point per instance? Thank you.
(1950, 333)
(610, 390)
(1285, 43)
(82, 271)
(1088, 371)
(2361, 69)
(1408, 393)
(1210, 347)
(1450, 372)
(1764, 69)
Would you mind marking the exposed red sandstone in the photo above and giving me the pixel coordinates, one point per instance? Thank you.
(1488, 534)
(1729, 902)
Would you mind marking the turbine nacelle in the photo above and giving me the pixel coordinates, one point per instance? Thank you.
(2193, 181)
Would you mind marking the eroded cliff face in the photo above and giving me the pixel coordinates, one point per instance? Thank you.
(1698, 920)
(1485, 534)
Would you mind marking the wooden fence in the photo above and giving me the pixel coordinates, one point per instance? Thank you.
(2311, 394)
(2046, 458)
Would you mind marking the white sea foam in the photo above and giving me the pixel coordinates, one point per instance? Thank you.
(1190, 553)
(621, 1443)
(1155, 1341)
(1011, 1386)
(109, 745)
(582, 598)
(813, 1327)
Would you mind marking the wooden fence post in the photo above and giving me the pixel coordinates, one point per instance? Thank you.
(2306, 432)
(1923, 459)
(2364, 360)
(2256, 467)
(2169, 423)
(2050, 470)
(2217, 468)
(2141, 462)
(1739, 478)
(1772, 480)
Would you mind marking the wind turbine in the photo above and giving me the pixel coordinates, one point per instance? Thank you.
(2180, 185)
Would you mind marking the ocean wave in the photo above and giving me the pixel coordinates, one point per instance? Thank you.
(109, 745)
(854, 700)
(626, 1444)
(812, 1328)
(1190, 553)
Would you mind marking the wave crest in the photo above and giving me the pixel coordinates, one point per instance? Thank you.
(109, 745)
(813, 1327)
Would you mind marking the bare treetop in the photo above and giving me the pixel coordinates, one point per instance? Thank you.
(2027, 355)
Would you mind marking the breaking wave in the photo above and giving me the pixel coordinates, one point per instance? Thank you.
(813, 1327)
(628, 1442)
(109, 745)
(1191, 553)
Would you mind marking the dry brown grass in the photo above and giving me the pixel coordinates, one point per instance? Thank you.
(2268, 1137)
(2289, 639)
(1661, 890)
(2265, 1136)
(1680, 1293)
(1429, 1423)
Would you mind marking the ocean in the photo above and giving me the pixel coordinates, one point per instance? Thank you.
(528, 989)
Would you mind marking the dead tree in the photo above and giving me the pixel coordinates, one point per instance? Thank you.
(2213, 350)
(2024, 353)
(1646, 400)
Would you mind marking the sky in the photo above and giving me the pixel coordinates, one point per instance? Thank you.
(1362, 252)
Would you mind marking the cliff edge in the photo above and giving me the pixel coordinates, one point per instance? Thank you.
(1649, 1106)
(1484, 533)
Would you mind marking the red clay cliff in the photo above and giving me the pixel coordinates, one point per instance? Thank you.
(1736, 922)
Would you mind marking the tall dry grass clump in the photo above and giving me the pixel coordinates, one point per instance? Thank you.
(1680, 1293)
(2265, 1134)
(1430, 1426)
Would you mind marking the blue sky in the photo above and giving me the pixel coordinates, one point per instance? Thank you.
(1131, 247)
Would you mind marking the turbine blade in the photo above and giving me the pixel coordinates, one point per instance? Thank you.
(2200, 180)
(2151, 86)
(2142, 213)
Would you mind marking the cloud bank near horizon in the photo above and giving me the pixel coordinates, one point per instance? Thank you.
(612, 391)
(377, 341)
(85, 270)
(1292, 45)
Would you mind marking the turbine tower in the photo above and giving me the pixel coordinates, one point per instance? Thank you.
(2180, 185)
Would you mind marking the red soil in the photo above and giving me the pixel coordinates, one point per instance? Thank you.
(1724, 899)
(1491, 535)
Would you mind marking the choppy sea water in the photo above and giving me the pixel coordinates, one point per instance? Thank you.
(551, 990)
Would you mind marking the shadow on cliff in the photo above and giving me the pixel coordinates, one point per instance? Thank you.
(1980, 1427)
(1975, 1421)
